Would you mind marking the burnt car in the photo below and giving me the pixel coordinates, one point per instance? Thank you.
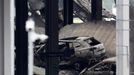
(83, 46)
(80, 52)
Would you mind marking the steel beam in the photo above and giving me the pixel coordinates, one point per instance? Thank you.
(21, 38)
(96, 10)
(52, 32)
(68, 12)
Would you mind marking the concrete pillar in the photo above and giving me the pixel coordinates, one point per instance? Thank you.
(9, 15)
(122, 37)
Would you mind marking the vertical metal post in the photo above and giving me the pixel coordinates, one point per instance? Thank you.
(30, 26)
(122, 37)
(96, 8)
(68, 12)
(52, 32)
(21, 38)
(9, 53)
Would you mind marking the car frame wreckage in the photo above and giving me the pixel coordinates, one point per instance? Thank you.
(80, 56)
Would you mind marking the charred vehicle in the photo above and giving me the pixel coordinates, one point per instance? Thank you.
(84, 51)
(84, 46)
(78, 54)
